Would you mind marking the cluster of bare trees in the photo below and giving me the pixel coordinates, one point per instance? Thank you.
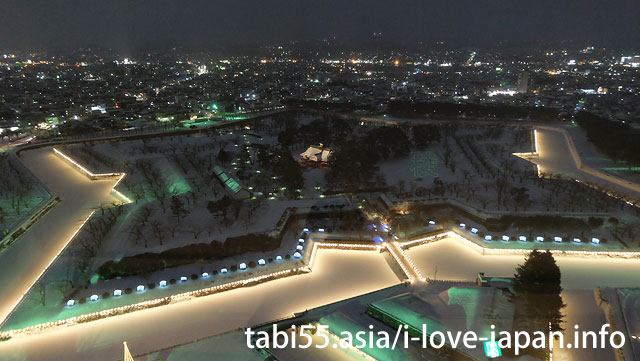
(493, 170)
(627, 232)
(95, 160)
(90, 242)
(17, 189)
(570, 196)
(475, 164)
(517, 187)
(153, 181)
(139, 223)
(195, 160)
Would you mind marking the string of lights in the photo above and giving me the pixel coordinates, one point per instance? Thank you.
(66, 244)
(185, 295)
(95, 176)
(397, 258)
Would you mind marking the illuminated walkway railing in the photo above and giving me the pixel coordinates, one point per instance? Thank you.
(514, 251)
(427, 239)
(187, 295)
(395, 249)
(409, 261)
(525, 251)
(64, 247)
(399, 261)
(529, 155)
(97, 176)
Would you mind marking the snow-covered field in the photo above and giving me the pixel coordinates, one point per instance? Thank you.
(22, 263)
(336, 275)
(472, 164)
(230, 346)
(455, 260)
(556, 158)
(20, 194)
(593, 158)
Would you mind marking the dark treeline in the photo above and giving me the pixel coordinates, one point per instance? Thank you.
(452, 110)
(357, 159)
(615, 139)
(324, 105)
(180, 256)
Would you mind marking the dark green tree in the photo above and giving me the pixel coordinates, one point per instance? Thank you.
(424, 134)
(289, 172)
(224, 157)
(220, 206)
(538, 293)
(177, 207)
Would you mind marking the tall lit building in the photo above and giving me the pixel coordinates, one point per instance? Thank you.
(524, 82)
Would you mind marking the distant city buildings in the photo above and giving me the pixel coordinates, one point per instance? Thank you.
(524, 82)
(90, 92)
(633, 61)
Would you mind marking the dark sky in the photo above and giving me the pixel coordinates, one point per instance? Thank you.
(134, 24)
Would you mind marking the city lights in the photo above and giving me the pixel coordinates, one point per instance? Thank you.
(324, 181)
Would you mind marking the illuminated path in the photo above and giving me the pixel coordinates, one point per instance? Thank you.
(556, 154)
(22, 263)
(336, 275)
(456, 260)
(409, 269)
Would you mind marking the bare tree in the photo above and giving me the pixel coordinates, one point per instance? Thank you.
(158, 231)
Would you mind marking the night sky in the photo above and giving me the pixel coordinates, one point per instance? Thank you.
(135, 24)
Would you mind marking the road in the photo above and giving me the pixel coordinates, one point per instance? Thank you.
(5, 146)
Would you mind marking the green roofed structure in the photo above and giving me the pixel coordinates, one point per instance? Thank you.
(231, 185)
(456, 309)
(394, 312)
(338, 323)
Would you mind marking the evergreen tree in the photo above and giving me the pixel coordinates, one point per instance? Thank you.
(177, 207)
(538, 293)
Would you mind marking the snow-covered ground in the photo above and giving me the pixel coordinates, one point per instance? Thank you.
(230, 346)
(557, 157)
(22, 263)
(582, 310)
(629, 301)
(593, 158)
(336, 275)
(21, 194)
(170, 166)
(457, 261)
